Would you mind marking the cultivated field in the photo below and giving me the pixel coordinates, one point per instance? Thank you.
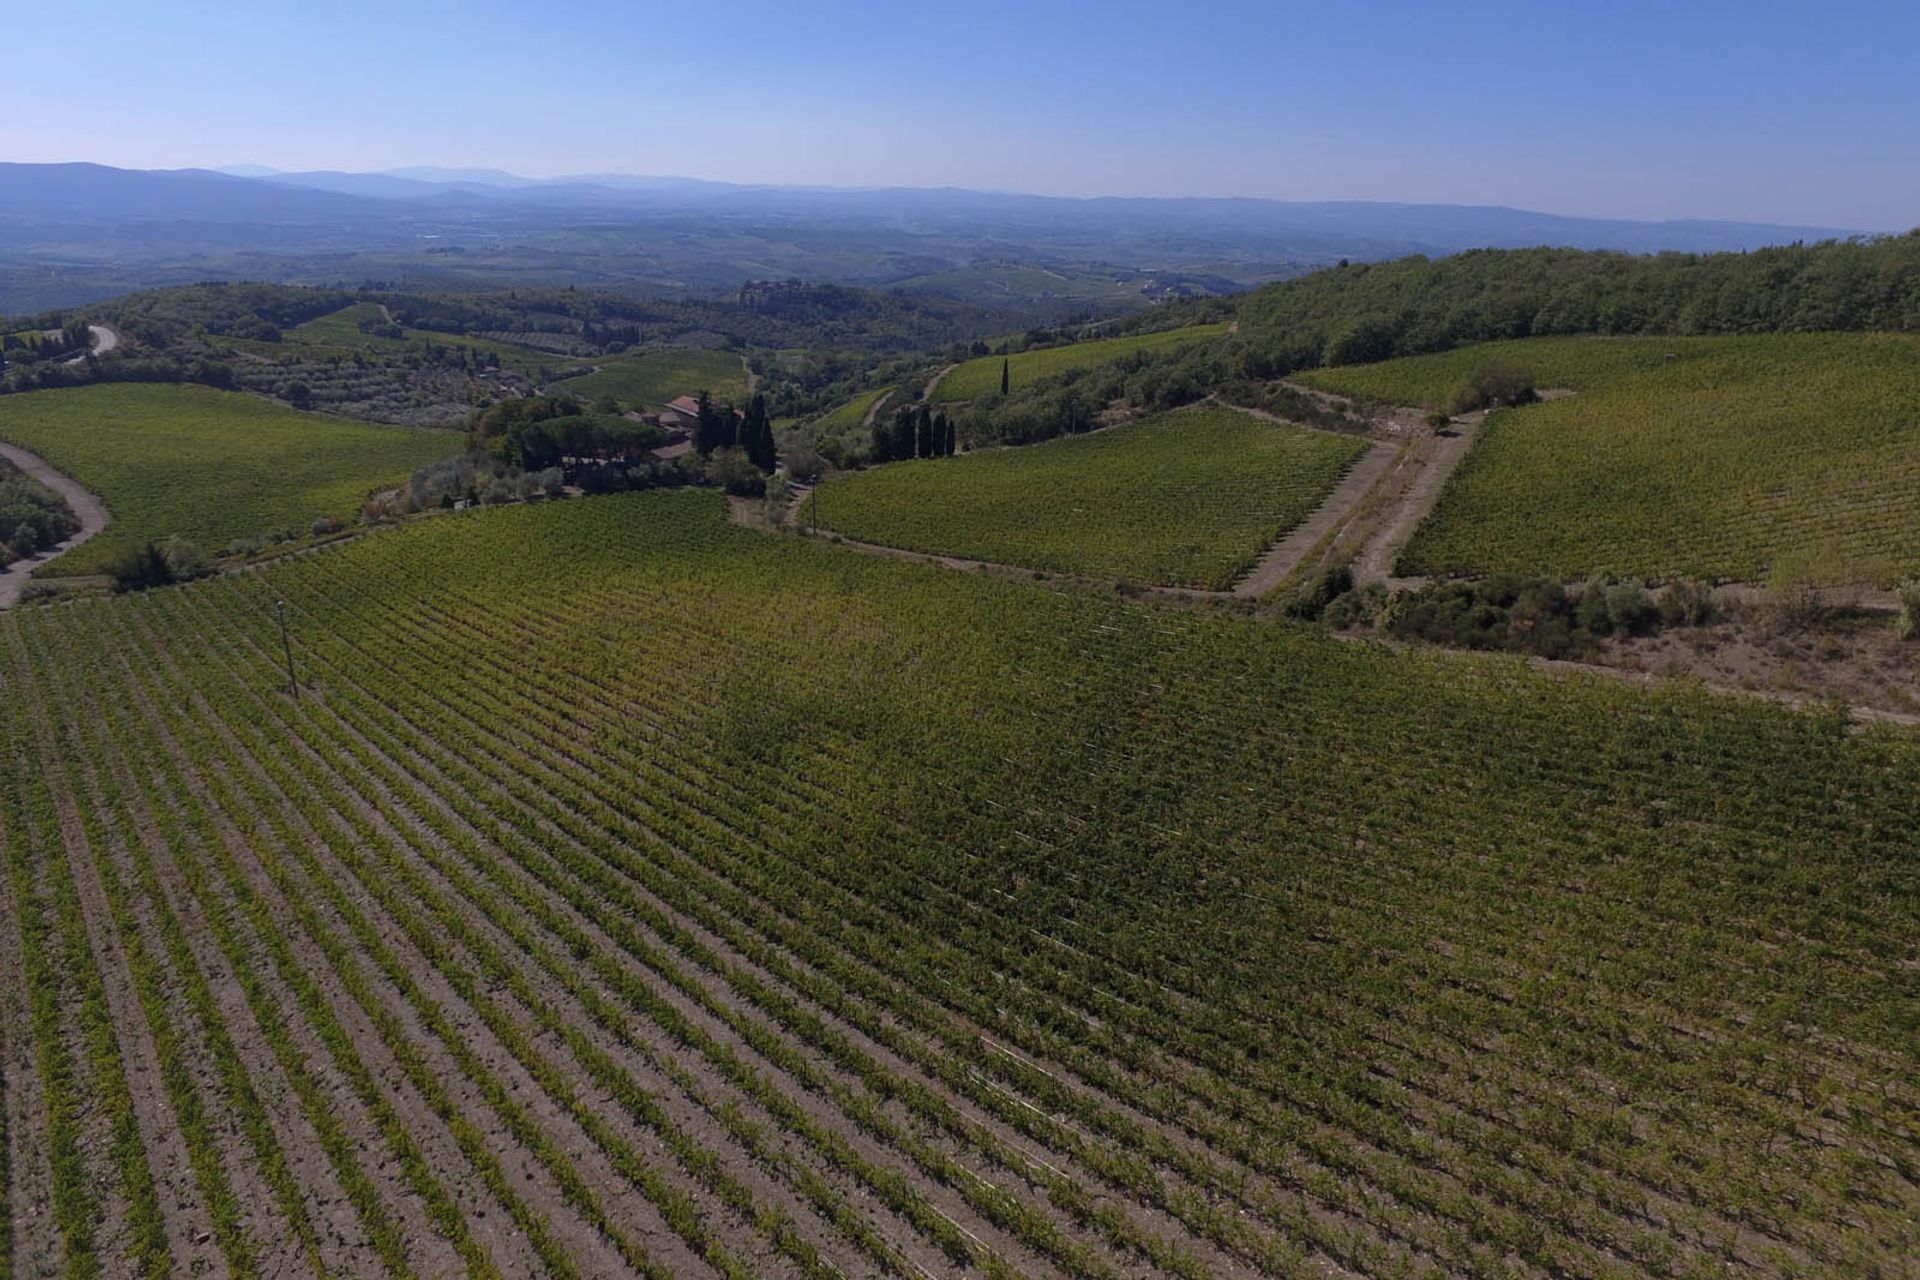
(211, 465)
(976, 378)
(950, 926)
(650, 379)
(342, 329)
(1699, 457)
(849, 416)
(1188, 498)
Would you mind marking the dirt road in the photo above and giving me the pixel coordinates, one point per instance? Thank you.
(92, 512)
(1284, 556)
(1432, 459)
(934, 382)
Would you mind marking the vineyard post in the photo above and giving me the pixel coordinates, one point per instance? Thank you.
(293, 687)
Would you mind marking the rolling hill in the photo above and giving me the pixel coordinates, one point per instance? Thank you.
(1679, 457)
(628, 893)
(1184, 499)
(209, 465)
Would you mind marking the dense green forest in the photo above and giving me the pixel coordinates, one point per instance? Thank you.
(1362, 313)
(1359, 313)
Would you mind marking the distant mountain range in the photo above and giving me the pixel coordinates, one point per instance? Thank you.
(68, 232)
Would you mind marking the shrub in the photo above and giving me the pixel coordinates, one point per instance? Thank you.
(1497, 383)
(1310, 601)
(139, 567)
(184, 559)
(1590, 609)
(1370, 606)
(1906, 623)
(1686, 604)
(1524, 615)
(805, 465)
(732, 471)
(1630, 609)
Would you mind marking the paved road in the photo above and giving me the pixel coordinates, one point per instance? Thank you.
(92, 512)
(104, 340)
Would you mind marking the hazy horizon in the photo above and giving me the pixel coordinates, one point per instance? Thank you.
(1803, 117)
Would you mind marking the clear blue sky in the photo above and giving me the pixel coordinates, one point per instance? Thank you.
(1786, 112)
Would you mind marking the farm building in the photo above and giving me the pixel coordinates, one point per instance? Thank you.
(682, 412)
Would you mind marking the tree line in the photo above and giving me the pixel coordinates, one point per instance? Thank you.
(33, 517)
(1361, 313)
(914, 431)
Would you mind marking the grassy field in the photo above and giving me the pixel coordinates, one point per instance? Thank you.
(936, 924)
(978, 377)
(1188, 498)
(211, 465)
(1697, 457)
(649, 379)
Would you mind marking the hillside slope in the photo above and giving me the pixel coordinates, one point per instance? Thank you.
(209, 465)
(1679, 457)
(1202, 946)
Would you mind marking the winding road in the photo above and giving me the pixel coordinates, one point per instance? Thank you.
(104, 340)
(92, 512)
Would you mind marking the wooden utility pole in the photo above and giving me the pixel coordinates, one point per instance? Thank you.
(293, 686)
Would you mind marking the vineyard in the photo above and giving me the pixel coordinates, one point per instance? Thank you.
(846, 422)
(1741, 457)
(1188, 498)
(627, 893)
(210, 465)
(975, 378)
(342, 329)
(649, 379)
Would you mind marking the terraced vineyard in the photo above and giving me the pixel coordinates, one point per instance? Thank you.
(1680, 457)
(1189, 498)
(211, 465)
(950, 926)
(976, 378)
(649, 379)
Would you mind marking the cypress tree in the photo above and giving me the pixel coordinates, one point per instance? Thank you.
(756, 435)
(903, 433)
(1003, 375)
(706, 425)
